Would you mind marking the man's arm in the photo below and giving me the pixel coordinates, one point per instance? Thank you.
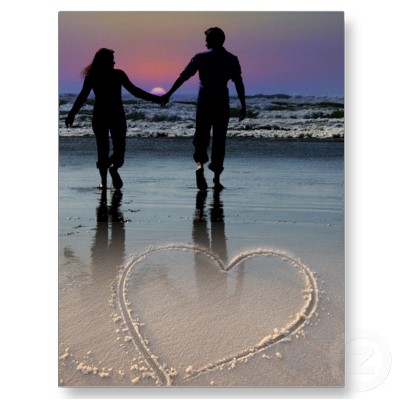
(236, 76)
(178, 83)
(241, 94)
(186, 74)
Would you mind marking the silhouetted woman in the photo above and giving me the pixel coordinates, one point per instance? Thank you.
(108, 112)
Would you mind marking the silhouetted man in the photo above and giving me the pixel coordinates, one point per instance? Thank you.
(216, 67)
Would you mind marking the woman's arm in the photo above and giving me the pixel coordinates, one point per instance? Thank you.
(137, 92)
(80, 100)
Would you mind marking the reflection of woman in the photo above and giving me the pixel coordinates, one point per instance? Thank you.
(109, 240)
(108, 113)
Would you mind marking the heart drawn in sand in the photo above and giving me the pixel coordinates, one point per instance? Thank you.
(146, 311)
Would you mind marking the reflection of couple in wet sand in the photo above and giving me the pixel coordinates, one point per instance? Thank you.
(108, 246)
(215, 67)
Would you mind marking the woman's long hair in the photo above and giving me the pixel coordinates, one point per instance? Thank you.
(103, 61)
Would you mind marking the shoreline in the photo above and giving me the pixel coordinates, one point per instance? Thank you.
(266, 139)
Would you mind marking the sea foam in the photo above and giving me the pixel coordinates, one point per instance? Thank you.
(268, 116)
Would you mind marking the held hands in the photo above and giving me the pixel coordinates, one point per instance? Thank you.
(161, 100)
(164, 99)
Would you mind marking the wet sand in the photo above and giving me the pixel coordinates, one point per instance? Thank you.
(152, 287)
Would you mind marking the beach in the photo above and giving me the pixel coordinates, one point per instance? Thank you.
(163, 285)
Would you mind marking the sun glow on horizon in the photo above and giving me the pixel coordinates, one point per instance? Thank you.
(279, 52)
(158, 90)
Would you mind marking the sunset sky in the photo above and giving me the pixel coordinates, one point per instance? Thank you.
(280, 52)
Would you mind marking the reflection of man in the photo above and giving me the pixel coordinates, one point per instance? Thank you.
(218, 238)
(216, 67)
(213, 239)
(205, 269)
(201, 236)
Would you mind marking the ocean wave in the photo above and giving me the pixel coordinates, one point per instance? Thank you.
(277, 116)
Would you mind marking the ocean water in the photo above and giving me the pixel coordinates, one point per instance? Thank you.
(286, 195)
(268, 116)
